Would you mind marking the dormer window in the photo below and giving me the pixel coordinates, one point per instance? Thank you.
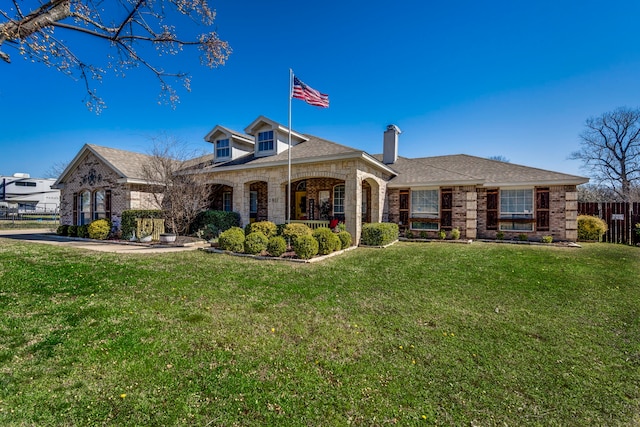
(265, 141)
(222, 148)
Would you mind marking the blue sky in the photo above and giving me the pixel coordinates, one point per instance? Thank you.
(510, 78)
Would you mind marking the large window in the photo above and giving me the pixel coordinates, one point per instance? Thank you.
(84, 207)
(516, 205)
(99, 205)
(222, 149)
(425, 206)
(265, 141)
(424, 203)
(338, 199)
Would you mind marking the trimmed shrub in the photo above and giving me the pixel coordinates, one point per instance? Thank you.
(267, 228)
(442, 234)
(547, 239)
(99, 229)
(328, 241)
(500, 235)
(305, 246)
(221, 220)
(424, 234)
(276, 246)
(591, 227)
(83, 231)
(63, 230)
(232, 240)
(73, 231)
(255, 243)
(408, 234)
(523, 237)
(294, 230)
(280, 229)
(129, 223)
(455, 234)
(345, 239)
(379, 233)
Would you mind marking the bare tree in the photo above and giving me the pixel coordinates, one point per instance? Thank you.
(610, 150)
(39, 30)
(182, 195)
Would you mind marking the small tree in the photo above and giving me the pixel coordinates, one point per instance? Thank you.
(175, 187)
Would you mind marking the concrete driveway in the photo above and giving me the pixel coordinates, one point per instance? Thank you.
(50, 238)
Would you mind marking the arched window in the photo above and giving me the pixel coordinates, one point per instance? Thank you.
(338, 199)
(99, 205)
(84, 207)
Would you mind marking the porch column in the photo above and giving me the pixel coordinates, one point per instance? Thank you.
(353, 206)
(241, 205)
(471, 203)
(277, 203)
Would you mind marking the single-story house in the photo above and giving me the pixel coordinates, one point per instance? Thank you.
(249, 173)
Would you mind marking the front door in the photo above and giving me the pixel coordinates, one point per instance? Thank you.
(301, 205)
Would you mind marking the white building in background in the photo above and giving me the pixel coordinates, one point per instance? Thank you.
(27, 194)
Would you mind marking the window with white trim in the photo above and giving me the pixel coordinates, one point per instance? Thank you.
(338, 199)
(425, 203)
(84, 202)
(516, 205)
(99, 205)
(265, 141)
(222, 149)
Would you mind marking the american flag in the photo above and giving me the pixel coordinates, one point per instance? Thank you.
(308, 94)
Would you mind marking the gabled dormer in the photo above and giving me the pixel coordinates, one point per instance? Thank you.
(271, 137)
(228, 144)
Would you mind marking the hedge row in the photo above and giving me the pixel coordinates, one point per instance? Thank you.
(98, 229)
(208, 224)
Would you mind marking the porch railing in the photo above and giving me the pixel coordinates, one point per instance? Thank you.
(312, 224)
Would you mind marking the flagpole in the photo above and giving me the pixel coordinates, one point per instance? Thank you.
(289, 155)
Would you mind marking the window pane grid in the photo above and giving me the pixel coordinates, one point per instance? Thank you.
(265, 141)
(222, 148)
(338, 199)
(516, 202)
(424, 203)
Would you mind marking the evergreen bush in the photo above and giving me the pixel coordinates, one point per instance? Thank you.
(267, 228)
(591, 227)
(345, 239)
(305, 246)
(455, 234)
(221, 220)
(99, 229)
(276, 246)
(83, 231)
(63, 230)
(255, 243)
(294, 230)
(442, 234)
(73, 231)
(379, 233)
(232, 240)
(328, 241)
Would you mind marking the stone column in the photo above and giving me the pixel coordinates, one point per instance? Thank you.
(277, 202)
(471, 204)
(571, 215)
(241, 205)
(353, 206)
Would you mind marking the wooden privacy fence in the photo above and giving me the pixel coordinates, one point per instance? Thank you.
(621, 218)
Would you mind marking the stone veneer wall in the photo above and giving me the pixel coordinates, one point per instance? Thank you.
(92, 174)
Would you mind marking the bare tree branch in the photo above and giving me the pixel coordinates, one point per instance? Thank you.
(127, 26)
(610, 150)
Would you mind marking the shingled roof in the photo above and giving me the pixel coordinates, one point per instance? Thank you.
(462, 169)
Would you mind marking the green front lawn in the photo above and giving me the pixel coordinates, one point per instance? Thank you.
(415, 334)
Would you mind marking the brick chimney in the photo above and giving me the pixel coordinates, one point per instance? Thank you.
(390, 148)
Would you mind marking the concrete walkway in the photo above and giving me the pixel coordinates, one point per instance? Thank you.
(50, 238)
